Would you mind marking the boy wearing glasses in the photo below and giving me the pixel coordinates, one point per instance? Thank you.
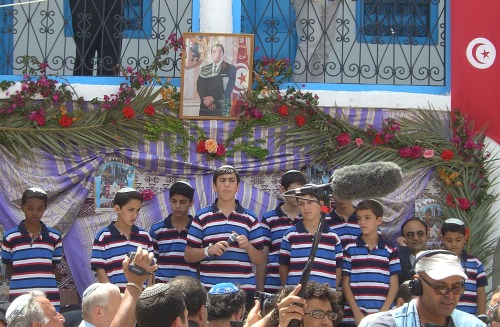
(473, 300)
(370, 268)
(438, 285)
(413, 239)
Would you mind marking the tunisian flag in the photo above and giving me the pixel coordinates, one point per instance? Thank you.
(475, 74)
(242, 76)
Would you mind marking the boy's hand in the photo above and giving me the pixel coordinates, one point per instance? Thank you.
(142, 259)
(243, 242)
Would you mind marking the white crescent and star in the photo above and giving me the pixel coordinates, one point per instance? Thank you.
(481, 53)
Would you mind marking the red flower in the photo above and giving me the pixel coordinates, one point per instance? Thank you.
(300, 120)
(283, 111)
(65, 121)
(150, 110)
(343, 139)
(405, 152)
(378, 139)
(447, 155)
(464, 203)
(221, 150)
(128, 112)
(450, 201)
(200, 148)
(416, 151)
(147, 194)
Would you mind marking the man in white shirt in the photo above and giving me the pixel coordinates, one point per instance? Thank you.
(99, 305)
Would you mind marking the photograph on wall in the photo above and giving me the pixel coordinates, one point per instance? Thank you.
(111, 176)
(216, 73)
(431, 213)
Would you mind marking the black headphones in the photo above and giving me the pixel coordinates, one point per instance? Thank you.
(415, 285)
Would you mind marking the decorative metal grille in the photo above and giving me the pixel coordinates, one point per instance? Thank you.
(395, 42)
(40, 30)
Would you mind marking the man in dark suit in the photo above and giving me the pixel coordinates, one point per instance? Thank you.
(215, 84)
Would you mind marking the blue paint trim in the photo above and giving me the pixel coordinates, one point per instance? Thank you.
(448, 58)
(236, 16)
(439, 90)
(87, 80)
(195, 16)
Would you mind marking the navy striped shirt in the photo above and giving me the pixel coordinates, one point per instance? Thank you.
(170, 245)
(370, 273)
(346, 230)
(475, 278)
(32, 261)
(275, 224)
(295, 250)
(210, 226)
(110, 248)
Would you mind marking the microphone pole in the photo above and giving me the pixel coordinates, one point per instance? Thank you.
(310, 261)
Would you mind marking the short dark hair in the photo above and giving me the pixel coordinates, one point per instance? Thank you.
(292, 176)
(33, 194)
(195, 293)
(314, 290)
(414, 219)
(159, 305)
(223, 306)
(217, 45)
(453, 228)
(373, 205)
(223, 170)
(182, 188)
(404, 293)
(122, 198)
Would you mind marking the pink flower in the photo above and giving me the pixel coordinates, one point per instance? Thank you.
(405, 152)
(359, 141)
(221, 150)
(416, 151)
(428, 154)
(464, 203)
(147, 194)
(343, 139)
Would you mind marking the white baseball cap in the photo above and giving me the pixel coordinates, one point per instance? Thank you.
(439, 264)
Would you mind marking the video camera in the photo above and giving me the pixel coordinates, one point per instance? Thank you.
(267, 301)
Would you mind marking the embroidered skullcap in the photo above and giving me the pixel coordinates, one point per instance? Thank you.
(223, 288)
(16, 307)
(154, 290)
(127, 189)
(224, 167)
(454, 221)
(90, 289)
(37, 190)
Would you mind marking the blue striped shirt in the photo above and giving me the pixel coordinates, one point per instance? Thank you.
(170, 245)
(346, 230)
(110, 248)
(295, 250)
(275, 224)
(475, 278)
(210, 225)
(32, 261)
(370, 272)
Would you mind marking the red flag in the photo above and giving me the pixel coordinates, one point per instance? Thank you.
(242, 77)
(475, 74)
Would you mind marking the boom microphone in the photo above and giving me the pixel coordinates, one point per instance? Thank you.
(368, 180)
(310, 189)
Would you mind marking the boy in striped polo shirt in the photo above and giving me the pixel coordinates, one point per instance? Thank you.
(275, 223)
(113, 242)
(213, 227)
(169, 235)
(370, 268)
(473, 300)
(297, 242)
(344, 221)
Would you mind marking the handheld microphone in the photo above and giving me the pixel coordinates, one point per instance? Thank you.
(231, 241)
(368, 180)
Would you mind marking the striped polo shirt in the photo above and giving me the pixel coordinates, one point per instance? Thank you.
(170, 245)
(110, 248)
(32, 261)
(346, 230)
(295, 250)
(275, 224)
(210, 226)
(475, 278)
(370, 273)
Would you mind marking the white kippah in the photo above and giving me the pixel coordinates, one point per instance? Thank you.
(127, 189)
(454, 221)
(16, 307)
(37, 190)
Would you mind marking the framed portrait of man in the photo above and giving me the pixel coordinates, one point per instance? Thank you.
(216, 74)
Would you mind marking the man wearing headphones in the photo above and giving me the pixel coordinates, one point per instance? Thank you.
(437, 285)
